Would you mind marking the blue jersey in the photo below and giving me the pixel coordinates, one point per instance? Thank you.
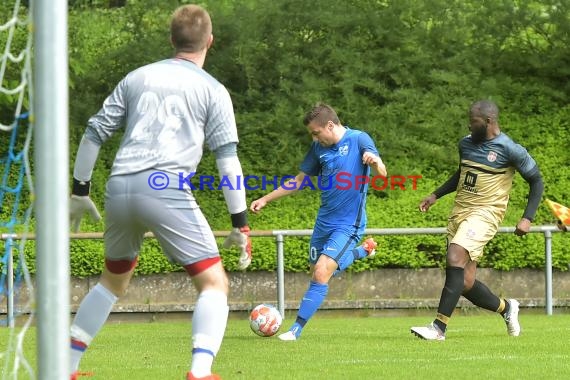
(340, 172)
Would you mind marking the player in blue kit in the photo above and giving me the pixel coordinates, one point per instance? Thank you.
(337, 153)
(482, 183)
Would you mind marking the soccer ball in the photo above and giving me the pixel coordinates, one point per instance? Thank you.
(265, 320)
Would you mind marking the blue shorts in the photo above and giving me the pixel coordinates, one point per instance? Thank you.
(335, 243)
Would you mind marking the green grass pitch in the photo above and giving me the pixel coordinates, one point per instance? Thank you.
(336, 347)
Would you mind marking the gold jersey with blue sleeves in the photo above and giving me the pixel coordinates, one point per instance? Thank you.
(486, 174)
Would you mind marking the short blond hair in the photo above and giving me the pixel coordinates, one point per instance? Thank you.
(190, 28)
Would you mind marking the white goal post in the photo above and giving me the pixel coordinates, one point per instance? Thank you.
(51, 173)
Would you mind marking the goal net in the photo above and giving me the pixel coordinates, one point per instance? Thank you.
(16, 187)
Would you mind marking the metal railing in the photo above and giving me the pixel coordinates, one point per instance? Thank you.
(280, 235)
(545, 230)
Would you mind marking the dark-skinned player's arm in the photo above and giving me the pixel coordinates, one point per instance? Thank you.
(528, 169)
(448, 187)
(536, 188)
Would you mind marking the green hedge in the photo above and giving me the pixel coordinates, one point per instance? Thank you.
(403, 71)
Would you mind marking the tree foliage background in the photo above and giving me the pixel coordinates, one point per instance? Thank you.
(404, 71)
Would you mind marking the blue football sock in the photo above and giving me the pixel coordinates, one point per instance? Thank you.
(296, 329)
(361, 253)
(312, 300)
(347, 260)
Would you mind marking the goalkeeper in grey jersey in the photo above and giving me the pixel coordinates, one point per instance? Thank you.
(169, 110)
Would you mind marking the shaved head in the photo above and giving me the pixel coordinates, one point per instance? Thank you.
(485, 109)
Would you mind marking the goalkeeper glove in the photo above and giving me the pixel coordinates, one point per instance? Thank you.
(240, 238)
(80, 203)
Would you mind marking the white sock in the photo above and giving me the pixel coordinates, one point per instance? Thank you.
(208, 327)
(91, 316)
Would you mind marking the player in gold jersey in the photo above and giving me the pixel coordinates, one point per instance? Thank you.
(483, 181)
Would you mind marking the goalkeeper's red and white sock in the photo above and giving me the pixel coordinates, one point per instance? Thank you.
(91, 316)
(208, 327)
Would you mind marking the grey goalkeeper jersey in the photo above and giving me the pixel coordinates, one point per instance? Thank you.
(169, 109)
